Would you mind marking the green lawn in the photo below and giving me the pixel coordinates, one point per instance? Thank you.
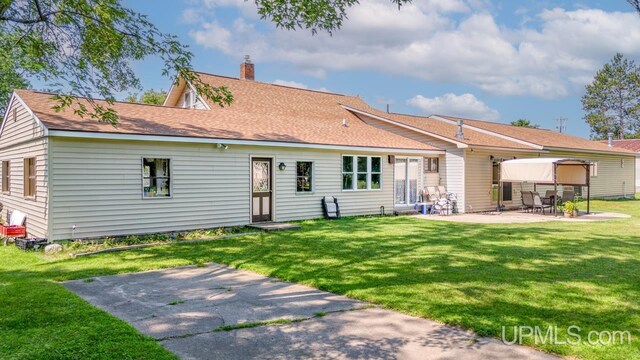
(477, 276)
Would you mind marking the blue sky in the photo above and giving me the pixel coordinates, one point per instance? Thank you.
(492, 60)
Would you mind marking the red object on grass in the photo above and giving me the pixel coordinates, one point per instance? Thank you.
(13, 231)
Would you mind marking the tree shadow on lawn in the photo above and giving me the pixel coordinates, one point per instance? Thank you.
(476, 276)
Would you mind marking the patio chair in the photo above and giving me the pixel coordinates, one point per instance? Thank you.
(568, 195)
(441, 203)
(527, 200)
(538, 204)
(330, 207)
(549, 197)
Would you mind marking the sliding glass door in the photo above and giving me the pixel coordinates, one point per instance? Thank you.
(407, 180)
(400, 174)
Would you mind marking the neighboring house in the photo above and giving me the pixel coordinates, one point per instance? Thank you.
(270, 156)
(631, 145)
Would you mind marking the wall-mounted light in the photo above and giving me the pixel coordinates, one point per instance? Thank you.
(222, 146)
(282, 166)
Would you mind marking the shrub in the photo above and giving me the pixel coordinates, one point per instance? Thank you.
(569, 207)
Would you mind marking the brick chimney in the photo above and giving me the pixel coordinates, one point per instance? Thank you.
(247, 71)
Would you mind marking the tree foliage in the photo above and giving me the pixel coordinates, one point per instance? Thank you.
(150, 96)
(323, 15)
(525, 123)
(86, 48)
(612, 100)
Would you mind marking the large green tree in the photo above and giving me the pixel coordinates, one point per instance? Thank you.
(86, 47)
(525, 123)
(612, 101)
(150, 97)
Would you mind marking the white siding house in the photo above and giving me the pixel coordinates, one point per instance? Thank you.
(23, 137)
(270, 156)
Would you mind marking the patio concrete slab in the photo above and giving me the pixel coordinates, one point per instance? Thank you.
(521, 217)
(181, 307)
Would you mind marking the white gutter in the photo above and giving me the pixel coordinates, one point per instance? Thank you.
(604, 152)
(498, 148)
(199, 140)
(460, 145)
(489, 132)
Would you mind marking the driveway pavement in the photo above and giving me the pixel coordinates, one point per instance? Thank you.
(182, 307)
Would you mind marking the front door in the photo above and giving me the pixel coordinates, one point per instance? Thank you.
(261, 189)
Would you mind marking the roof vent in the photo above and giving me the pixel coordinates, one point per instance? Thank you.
(459, 134)
(610, 139)
(247, 71)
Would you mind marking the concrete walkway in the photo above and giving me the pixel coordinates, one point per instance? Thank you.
(182, 307)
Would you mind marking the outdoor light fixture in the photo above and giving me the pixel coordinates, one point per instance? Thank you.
(282, 166)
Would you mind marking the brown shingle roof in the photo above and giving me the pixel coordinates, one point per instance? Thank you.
(447, 130)
(629, 144)
(260, 112)
(543, 137)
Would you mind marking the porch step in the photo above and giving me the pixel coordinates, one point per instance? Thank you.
(405, 212)
(274, 226)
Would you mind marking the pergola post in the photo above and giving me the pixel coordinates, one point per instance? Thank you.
(588, 175)
(555, 189)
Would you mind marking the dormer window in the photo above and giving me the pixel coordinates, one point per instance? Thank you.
(188, 99)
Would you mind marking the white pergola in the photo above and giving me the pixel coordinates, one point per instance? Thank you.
(547, 171)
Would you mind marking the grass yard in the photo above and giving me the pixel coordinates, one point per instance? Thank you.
(477, 276)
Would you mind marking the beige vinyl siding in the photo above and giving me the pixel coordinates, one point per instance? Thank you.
(97, 186)
(613, 180)
(19, 140)
(638, 174)
(479, 179)
(451, 171)
(608, 183)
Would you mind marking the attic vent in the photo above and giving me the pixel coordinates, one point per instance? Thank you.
(459, 134)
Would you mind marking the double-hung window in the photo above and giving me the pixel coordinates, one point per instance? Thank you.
(304, 176)
(361, 172)
(431, 165)
(156, 177)
(6, 175)
(30, 177)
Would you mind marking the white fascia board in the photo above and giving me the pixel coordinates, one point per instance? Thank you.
(16, 97)
(498, 148)
(602, 152)
(489, 132)
(439, 137)
(197, 140)
(173, 85)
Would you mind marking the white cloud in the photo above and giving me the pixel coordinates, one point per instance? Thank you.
(294, 84)
(299, 85)
(551, 56)
(465, 105)
(191, 16)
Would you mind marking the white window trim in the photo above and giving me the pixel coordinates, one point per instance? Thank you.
(313, 178)
(420, 179)
(426, 161)
(142, 177)
(354, 173)
(593, 169)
